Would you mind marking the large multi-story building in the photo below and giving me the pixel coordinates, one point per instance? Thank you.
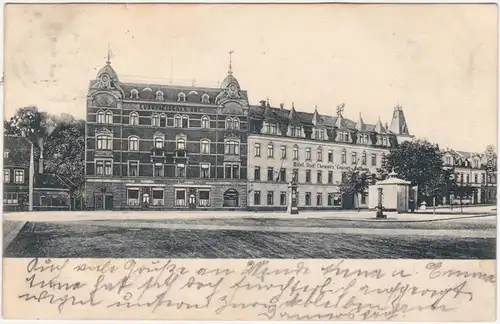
(316, 150)
(474, 170)
(164, 146)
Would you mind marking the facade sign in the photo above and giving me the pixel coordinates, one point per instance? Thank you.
(319, 165)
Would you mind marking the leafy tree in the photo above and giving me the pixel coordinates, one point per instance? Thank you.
(419, 162)
(65, 151)
(463, 191)
(355, 182)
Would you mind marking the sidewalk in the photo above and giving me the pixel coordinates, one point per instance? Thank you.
(365, 215)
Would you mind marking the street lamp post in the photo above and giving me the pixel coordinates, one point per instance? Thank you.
(293, 208)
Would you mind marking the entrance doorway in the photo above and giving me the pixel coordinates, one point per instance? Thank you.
(103, 201)
(192, 198)
(231, 198)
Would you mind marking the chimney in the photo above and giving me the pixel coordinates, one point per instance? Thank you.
(282, 105)
(262, 103)
(40, 141)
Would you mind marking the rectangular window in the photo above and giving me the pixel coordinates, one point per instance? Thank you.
(204, 170)
(158, 197)
(295, 153)
(270, 174)
(180, 198)
(330, 176)
(308, 199)
(308, 154)
(18, 176)
(108, 168)
(308, 175)
(204, 198)
(374, 159)
(256, 198)
(319, 199)
(320, 155)
(257, 149)
(6, 176)
(273, 129)
(158, 170)
(344, 157)
(133, 168)
(133, 197)
(283, 152)
(270, 198)
(296, 174)
(363, 158)
(475, 178)
(330, 199)
(256, 173)
(354, 158)
(330, 156)
(99, 167)
(180, 170)
(282, 175)
(270, 151)
(231, 170)
(319, 177)
(283, 198)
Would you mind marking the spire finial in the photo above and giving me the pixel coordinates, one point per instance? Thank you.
(230, 62)
(293, 105)
(108, 61)
(316, 108)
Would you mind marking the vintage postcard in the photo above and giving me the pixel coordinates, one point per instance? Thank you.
(285, 162)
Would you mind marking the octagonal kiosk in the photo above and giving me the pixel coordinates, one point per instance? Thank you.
(392, 194)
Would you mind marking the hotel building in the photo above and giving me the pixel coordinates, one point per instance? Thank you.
(162, 146)
(316, 150)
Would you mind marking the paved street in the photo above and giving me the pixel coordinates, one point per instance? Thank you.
(251, 235)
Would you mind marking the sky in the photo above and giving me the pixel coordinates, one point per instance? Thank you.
(439, 62)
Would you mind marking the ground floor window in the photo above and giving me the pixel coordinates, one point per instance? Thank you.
(337, 200)
(180, 198)
(308, 199)
(158, 197)
(204, 198)
(231, 198)
(363, 198)
(334, 199)
(256, 198)
(52, 201)
(10, 198)
(270, 198)
(133, 197)
(319, 199)
(283, 198)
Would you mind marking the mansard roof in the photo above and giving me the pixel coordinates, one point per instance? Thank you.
(257, 112)
(171, 92)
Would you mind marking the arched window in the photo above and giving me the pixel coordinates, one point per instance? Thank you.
(158, 142)
(178, 121)
(205, 98)
(232, 147)
(109, 117)
(181, 96)
(181, 144)
(155, 120)
(295, 152)
(104, 142)
(100, 117)
(229, 123)
(205, 122)
(205, 146)
(185, 121)
(134, 118)
(236, 123)
(159, 95)
(134, 94)
(133, 143)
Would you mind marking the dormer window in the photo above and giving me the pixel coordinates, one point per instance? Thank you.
(159, 95)
(266, 128)
(181, 97)
(476, 163)
(319, 133)
(205, 99)
(134, 94)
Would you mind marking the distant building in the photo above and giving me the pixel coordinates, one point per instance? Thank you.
(316, 150)
(473, 169)
(50, 192)
(153, 146)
